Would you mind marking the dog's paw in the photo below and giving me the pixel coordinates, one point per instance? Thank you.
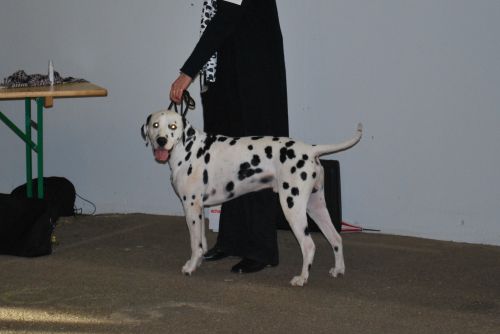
(188, 269)
(298, 281)
(336, 272)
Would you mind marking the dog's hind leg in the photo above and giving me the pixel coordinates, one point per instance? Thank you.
(316, 208)
(195, 223)
(295, 212)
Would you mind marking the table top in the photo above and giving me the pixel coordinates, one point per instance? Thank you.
(79, 89)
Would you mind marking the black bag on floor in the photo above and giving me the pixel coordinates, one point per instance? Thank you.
(25, 227)
(26, 224)
(59, 193)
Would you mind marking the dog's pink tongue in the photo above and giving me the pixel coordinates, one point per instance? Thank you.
(161, 154)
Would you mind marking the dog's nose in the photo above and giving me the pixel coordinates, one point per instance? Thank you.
(161, 141)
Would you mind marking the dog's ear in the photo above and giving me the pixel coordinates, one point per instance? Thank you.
(144, 130)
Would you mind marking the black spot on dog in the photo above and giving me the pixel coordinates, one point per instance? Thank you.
(188, 146)
(205, 197)
(193, 197)
(205, 176)
(309, 267)
(250, 147)
(269, 152)
(190, 131)
(292, 170)
(305, 157)
(306, 230)
(286, 185)
(232, 142)
(286, 154)
(335, 249)
(188, 156)
(230, 186)
(200, 152)
(184, 198)
(231, 195)
(300, 163)
(190, 169)
(209, 141)
(199, 216)
(314, 190)
(276, 138)
(289, 143)
(201, 246)
(207, 158)
(244, 166)
(180, 163)
(303, 176)
(194, 222)
(256, 138)
(289, 201)
(243, 174)
(295, 191)
(314, 175)
(255, 160)
(222, 138)
(283, 154)
(245, 171)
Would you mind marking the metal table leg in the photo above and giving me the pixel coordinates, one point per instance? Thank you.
(30, 145)
(39, 132)
(27, 127)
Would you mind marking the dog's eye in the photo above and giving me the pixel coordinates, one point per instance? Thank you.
(155, 125)
(172, 126)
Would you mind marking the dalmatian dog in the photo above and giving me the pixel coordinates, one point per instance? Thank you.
(210, 169)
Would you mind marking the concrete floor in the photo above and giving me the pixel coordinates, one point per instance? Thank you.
(121, 274)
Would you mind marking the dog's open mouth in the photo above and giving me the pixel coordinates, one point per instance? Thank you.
(161, 154)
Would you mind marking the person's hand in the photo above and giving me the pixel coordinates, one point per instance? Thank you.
(179, 86)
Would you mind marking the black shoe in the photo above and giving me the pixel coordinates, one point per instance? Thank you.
(247, 266)
(214, 254)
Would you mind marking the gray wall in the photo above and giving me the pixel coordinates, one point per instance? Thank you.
(422, 75)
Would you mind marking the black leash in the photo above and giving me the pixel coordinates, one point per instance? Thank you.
(187, 102)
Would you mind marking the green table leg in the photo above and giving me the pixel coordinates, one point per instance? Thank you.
(40, 102)
(30, 145)
(27, 127)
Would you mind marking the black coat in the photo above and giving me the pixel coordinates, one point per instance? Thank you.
(249, 96)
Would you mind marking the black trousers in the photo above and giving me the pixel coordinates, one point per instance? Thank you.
(247, 225)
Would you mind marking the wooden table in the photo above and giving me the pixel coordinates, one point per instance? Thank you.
(44, 97)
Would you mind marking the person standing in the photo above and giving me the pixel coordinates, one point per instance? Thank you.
(241, 59)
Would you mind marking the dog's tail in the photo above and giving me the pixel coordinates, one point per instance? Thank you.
(334, 148)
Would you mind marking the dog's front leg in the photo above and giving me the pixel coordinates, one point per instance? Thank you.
(195, 221)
